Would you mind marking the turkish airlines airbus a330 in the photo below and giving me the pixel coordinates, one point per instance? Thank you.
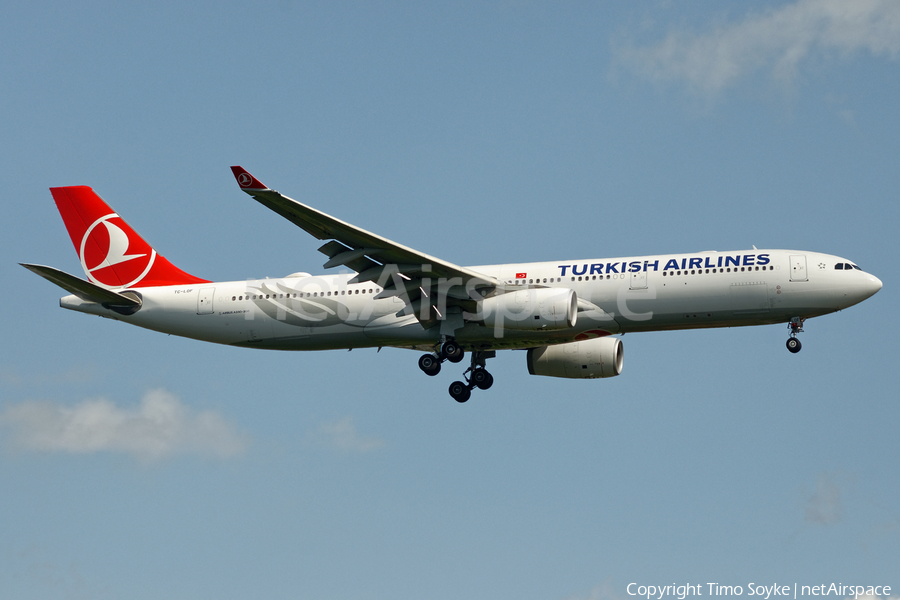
(564, 312)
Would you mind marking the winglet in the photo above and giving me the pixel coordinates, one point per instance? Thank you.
(246, 180)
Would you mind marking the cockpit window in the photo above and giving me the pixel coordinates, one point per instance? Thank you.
(839, 266)
(855, 267)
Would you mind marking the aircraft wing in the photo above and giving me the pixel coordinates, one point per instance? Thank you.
(375, 258)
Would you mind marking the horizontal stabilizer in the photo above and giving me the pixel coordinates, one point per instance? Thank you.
(85, 290)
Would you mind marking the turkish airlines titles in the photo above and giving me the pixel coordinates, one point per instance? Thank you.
(692, 262)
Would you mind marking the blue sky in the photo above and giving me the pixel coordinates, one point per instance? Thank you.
(481, 133)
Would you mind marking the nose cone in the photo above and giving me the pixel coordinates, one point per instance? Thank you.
(873, 284)
(857, 289)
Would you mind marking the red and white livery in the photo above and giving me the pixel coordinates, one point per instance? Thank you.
(565, 313)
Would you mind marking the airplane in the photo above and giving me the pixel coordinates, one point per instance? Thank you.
(566, 314)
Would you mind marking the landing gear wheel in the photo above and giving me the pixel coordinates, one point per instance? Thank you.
(452, 351)
(430, 364)
(460, 391)
(482, 379)
(794, 345)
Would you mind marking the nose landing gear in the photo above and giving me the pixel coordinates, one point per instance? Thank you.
(796, 326)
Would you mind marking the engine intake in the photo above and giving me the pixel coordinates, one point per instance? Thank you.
(587, 359)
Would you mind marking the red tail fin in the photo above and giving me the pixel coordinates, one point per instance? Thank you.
(112, 254)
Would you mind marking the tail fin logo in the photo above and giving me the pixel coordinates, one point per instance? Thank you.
(244, 180)
(105, 254)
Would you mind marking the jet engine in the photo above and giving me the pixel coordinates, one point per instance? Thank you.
(587, 359)
(533, 309)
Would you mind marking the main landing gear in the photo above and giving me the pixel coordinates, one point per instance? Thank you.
(475, 376)
(449, 350)
(796, 326)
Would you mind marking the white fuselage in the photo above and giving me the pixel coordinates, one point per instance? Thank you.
(618, 295)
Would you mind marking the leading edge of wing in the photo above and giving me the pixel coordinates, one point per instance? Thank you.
(359, 241)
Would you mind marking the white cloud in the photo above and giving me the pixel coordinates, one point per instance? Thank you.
(777, 40)
(160, 426)
(343, 436)
(824, 506)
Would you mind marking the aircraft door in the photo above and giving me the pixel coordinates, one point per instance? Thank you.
(798, 268)
(205, 301)
(639, 280)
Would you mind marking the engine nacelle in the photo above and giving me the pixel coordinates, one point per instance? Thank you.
(531, 310)
(587, 359)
